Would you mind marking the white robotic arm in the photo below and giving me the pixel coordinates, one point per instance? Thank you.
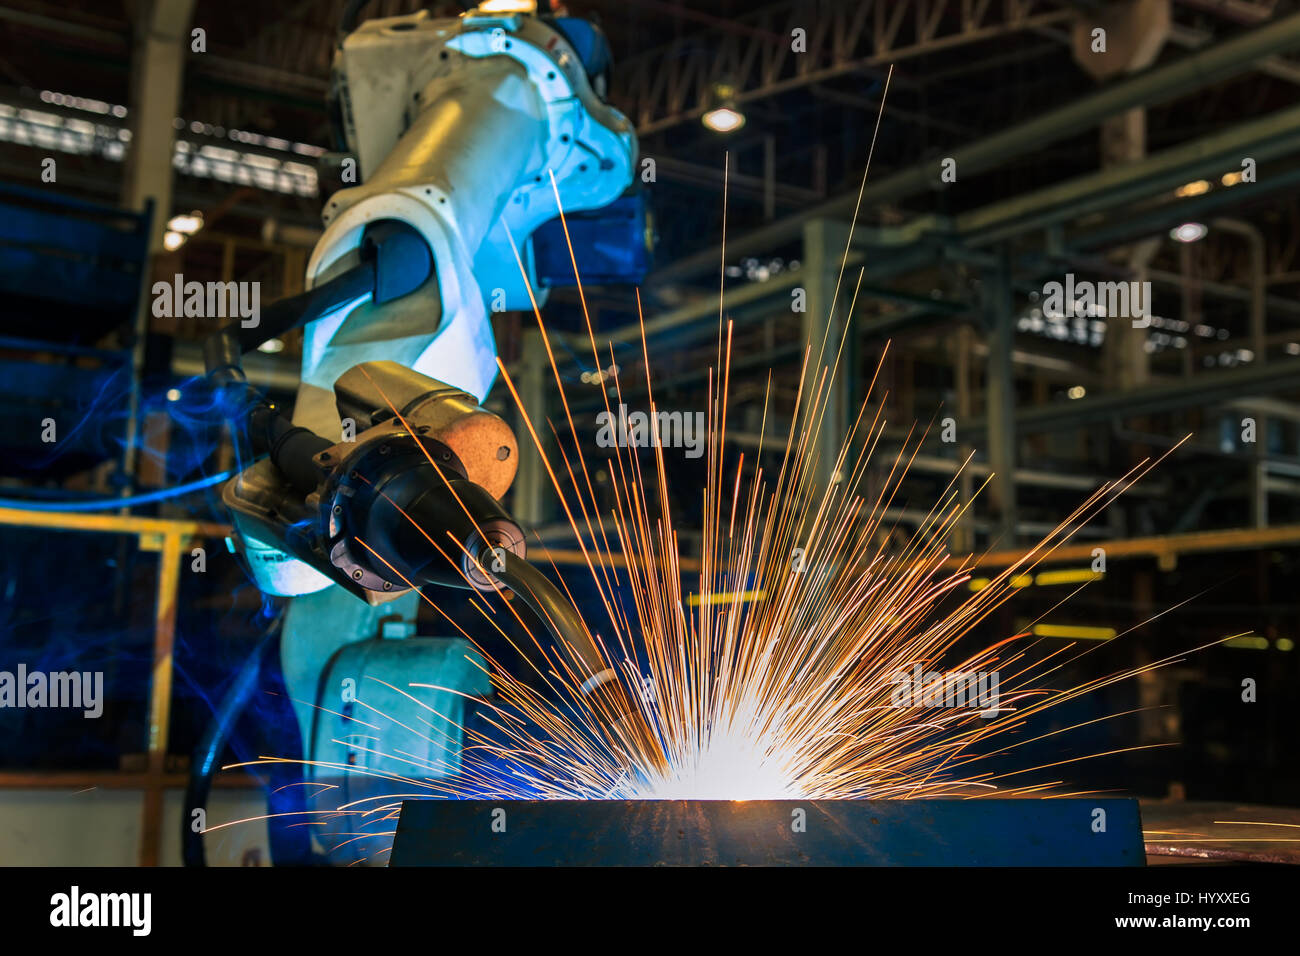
(458, 126)
(464, 130)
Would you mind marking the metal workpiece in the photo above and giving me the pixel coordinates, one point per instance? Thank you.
(994, 832)
(1219, 832)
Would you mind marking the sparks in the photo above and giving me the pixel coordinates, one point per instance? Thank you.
(775, 673)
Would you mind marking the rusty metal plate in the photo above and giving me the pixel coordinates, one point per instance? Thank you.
(1221, 832)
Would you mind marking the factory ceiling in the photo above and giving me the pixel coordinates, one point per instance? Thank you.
(961, 71)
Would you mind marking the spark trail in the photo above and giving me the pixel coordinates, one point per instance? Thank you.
(773, 673)
(777, 679)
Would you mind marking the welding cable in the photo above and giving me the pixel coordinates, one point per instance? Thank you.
(104, 504)
(222, 350)
(394, 260)
(561, 618)
(288, 314)
(203, 764)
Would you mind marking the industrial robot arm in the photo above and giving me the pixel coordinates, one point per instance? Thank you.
(466, 134)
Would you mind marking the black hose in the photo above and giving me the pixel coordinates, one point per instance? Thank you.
(257, 426)
(203, 764)
(547, 601)
(291, 447)
(222, 350)
(561, 618)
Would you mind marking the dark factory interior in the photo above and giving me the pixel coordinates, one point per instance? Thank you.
(1039, 258)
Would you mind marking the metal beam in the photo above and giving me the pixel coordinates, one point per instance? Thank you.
(1266, 138)
(755, 53)
(1275, 66)
(681, 171)
(255, 77)
(1135, 224)
(1203, 388)
(1191, 72)
(1190, 38)
(702, 309)
(1165, 547)
(775, 441)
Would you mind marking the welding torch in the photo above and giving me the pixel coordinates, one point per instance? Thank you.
(411, 499)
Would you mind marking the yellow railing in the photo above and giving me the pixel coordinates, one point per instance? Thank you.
(169, 539)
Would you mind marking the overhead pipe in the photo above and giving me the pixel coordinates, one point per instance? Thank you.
(1191, 72)
(1202, 389)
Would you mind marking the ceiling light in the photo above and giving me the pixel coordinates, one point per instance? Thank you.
(173, 241)
(186, 225)
(507, 6)
(723, 115)
(724, 119)
(1188, 232)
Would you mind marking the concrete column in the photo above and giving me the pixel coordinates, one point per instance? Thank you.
(1108, 42)
(999, 320)
(159, 48)
(823, 251)
(1126, 362)
(1259, 345)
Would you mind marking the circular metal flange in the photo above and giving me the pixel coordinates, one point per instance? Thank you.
(354, 484)
(499, 534)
